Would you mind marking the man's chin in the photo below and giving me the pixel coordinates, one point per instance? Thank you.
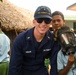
(42, 33)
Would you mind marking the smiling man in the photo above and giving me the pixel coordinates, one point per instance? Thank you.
(31, 47)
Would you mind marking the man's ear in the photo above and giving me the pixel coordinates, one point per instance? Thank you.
(34, 21)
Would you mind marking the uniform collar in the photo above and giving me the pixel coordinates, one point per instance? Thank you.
(30, 35)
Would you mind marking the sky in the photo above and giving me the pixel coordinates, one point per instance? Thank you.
(54, 5)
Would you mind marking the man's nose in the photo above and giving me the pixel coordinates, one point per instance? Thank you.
(43, 22)
(56, 22)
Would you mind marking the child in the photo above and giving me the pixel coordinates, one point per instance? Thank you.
(66, 57)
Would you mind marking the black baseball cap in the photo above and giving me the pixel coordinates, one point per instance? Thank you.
(43, 12)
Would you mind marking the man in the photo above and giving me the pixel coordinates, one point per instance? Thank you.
(31, 47)
(57, 22)
(4, 49)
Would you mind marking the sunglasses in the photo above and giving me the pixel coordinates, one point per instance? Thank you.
(46, 20)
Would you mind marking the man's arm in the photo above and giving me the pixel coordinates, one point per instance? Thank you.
(53, 58)
(16, 58)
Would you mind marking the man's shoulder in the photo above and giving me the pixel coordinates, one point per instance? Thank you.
(25, 34)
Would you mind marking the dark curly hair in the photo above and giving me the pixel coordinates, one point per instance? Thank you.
(58, 13)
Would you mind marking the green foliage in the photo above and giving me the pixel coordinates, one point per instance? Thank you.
(47, 62)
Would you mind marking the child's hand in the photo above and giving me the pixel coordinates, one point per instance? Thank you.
(70, 60)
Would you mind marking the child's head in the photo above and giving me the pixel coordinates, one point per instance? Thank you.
(66, 38)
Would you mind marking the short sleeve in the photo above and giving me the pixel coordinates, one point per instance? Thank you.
(60, 63)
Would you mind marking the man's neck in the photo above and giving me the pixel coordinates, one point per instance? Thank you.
(38, 36)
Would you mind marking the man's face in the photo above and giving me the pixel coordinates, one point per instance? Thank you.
(42, 25)
(57, 22)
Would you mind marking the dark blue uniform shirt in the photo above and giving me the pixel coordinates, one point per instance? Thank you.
(27, 57)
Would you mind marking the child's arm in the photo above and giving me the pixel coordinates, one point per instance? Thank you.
(69, 65)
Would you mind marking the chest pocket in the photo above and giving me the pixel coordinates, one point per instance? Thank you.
(29, 52)
(46, 52)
